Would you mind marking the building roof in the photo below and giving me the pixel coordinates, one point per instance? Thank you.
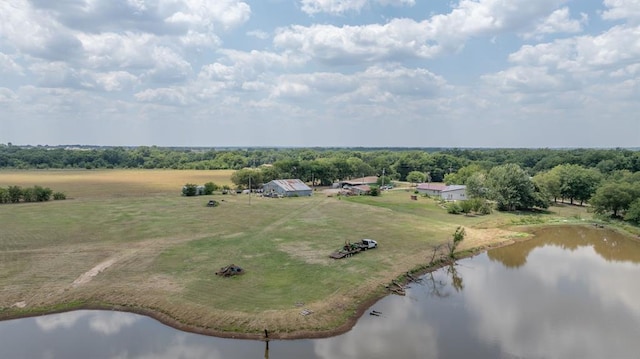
(454, 187)
(432, 186)
(291, 185)
(361, 180)
(440, 187)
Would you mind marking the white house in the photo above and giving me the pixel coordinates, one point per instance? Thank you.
(448, 193)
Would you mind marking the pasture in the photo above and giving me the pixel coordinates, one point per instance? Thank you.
(127, 239)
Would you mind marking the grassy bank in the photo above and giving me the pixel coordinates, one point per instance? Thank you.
(127, 239)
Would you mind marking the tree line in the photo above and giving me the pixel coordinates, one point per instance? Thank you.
(319, 164)
(608, 179)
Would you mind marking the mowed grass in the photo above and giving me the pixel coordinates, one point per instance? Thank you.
(158, 250)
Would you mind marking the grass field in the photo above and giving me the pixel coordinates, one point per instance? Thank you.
(127, 238)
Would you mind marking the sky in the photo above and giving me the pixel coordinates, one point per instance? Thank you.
(332, 73)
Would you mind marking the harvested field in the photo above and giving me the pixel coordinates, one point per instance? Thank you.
(126, 239)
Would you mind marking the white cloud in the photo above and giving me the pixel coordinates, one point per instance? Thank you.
(337, 7)
(258, 34)
(558, 22)
(164, 96)
(9, 66)
(353, 44)
(605, 52)
(622, 9)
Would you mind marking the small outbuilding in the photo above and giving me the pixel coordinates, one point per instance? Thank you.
(286, 188)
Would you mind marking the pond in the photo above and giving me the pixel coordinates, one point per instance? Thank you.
(572, 292)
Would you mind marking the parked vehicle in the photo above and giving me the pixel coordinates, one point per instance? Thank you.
(349, 249)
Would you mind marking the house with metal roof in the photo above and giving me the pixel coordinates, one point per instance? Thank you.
(448, 193)
(286, 188)
(370, 180)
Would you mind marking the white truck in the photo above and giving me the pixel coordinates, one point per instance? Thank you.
(349, 249)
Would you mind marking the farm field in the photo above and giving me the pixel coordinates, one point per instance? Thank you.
(127, 239)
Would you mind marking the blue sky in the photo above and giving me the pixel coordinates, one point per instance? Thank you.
(436, 73)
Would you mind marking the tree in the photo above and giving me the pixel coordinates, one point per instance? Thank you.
(457, 238)
(416, 177)
(512, 189)
(247, 178)
(14, 193)
(549, 183)
(190, 189)
(210, 187)
(462, 175)
(612, 197)
(42, 194)
(633, 213)
(577, 182)
(476, 185)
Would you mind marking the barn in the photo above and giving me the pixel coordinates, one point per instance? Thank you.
(286, 188)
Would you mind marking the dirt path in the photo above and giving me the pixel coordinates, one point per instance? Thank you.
(88, 275)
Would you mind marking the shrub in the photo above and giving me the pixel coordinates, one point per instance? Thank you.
(59, 196)
(190, 189)
(42, 194)
(15, 192)
(210, 187)
(466, 206)
(4, 195)
(485, 208)
(375, 191)
(29, 195)
(454, 208)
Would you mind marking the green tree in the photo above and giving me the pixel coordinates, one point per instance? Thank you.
(549, 183)
(210, 187)
(612, 197)
(476, 185)
(462, 175)
(633, 213)
(14, 193)
(512, 188)
(190, 189)
(457, 238)
(416, 177)
(42, 194)
(577, 182)
(247, 178)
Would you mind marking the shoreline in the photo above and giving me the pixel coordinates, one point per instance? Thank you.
(360, 309)
(347, 325)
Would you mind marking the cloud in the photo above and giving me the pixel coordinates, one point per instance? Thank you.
(9, 66)
(558, 22)
(338, 7)
(402, 38)
(622, 9)
(608, 51)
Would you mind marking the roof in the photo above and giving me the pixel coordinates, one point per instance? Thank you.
(291, 185)
(432, 186)
(361, 180)
(454, 187)
(440, 187)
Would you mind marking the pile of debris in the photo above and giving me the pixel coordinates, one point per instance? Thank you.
(230, 270)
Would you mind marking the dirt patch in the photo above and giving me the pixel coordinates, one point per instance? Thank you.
(87, 276)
